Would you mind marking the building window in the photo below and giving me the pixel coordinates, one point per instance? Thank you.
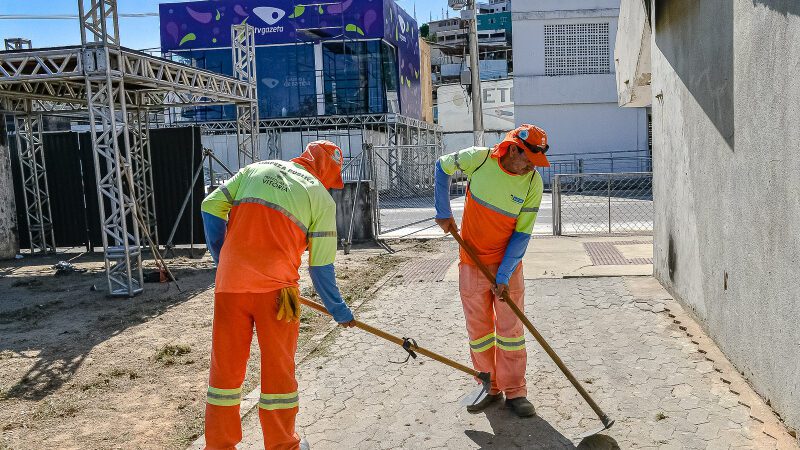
(357, 76)
(576, 49)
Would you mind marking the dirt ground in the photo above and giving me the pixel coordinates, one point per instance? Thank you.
(79, 369)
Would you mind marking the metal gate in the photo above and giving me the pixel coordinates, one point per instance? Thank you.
(403, 187)
(603, 203)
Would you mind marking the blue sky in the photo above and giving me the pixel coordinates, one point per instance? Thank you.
(137, 33)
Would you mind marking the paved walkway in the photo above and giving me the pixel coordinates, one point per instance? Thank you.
(645, 362)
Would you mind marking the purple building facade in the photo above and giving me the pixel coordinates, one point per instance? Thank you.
(362, 54)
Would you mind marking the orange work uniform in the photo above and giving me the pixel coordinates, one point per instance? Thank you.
(499, 214)
(274, 211)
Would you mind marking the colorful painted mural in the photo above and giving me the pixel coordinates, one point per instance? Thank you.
(205, 25)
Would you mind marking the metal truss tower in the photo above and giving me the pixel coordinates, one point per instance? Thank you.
(34, 180)
(243, 48)
(110, 132)
(143, 170)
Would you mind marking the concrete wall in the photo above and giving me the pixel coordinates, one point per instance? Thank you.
(579, 112)
(8, 212)
(581, 128)
(727, 179)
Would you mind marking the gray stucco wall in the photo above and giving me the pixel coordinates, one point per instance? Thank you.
(726, 120)
(8, 212)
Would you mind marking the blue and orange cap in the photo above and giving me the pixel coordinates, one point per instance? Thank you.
(530, 138)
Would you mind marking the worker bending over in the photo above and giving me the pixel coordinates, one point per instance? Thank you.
(266, 216)
(503, 195)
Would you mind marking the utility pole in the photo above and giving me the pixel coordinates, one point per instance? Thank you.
(474, 66)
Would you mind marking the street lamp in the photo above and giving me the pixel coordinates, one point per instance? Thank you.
(474, 65)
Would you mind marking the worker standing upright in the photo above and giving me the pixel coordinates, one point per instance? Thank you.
(257, 225)
(503, 196)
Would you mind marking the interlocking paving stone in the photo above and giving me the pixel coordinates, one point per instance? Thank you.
(644, 371)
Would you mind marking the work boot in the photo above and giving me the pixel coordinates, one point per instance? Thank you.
(521, 407)
(485, 401)
(304, 444)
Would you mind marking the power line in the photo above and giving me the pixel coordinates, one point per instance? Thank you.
(66, 16)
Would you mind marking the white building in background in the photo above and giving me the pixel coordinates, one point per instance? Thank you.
(564, 76)
(455, 113)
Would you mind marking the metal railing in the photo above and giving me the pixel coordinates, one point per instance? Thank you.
(592, 203)
(596, 162)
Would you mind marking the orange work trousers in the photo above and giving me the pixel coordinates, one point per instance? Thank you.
(497, 340)
(234, 318)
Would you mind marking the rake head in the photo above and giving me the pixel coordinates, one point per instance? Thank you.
(607, 423)
(480, 392)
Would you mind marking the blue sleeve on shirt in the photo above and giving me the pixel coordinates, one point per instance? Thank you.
(514, 253)
(441, 193)
(215, 234)
(324, 279)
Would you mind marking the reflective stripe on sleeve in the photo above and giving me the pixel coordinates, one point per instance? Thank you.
(271, 402)
(455, 161)
(511, 344)
(226, 193)
(322, 234)
(524, 210)
(224, 397)
(482, 344)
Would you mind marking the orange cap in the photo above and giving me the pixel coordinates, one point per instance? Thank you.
(531, 139)
(323, 159)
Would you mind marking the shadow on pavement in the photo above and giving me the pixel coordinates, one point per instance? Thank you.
(533, 433)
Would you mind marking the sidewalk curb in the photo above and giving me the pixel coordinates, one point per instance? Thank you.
(250, 401)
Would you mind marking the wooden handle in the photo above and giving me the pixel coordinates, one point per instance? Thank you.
(539, 338)
(396, 340)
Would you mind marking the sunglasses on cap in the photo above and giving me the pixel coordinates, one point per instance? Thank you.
(523, 136)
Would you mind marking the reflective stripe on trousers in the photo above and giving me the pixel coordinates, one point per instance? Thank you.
(279, 401)
(497, 342)
(235, 315)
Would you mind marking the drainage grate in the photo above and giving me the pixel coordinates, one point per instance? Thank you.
(425, 270)
(607, 254)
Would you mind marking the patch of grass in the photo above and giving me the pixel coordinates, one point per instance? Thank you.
(95, 384)
(324, 347)
(661, 416)
(169, 353)
(117, 373)
(190, 430)
(6, 354)
(50, 409)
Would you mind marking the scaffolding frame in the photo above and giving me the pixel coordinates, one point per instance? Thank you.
(36, 192)
(17, 44)
(243, 49)
(118, 88)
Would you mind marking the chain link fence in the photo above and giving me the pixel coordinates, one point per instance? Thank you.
(600, 203)
(596, 162)
(404, 182)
